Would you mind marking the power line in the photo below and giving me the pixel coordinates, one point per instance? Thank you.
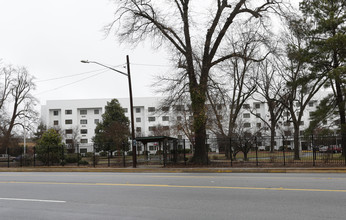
(72, 83)
(143, 64)
(78, 74)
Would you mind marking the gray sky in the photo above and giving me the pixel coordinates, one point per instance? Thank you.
(50, 37)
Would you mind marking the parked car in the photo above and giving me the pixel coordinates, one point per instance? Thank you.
(334, 149)
(330, 149)
(323, 149)
(18, 158)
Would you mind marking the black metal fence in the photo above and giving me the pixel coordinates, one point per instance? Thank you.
(228, 152)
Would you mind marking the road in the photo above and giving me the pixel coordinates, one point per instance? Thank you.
(172, 196)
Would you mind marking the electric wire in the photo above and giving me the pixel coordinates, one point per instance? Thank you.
(72, 75)
(72, 82)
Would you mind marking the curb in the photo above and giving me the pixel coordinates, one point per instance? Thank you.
(176, 170)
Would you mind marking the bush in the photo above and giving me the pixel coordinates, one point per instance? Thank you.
(103, 154)
(71, 158)
(89, 154)
(83, 162)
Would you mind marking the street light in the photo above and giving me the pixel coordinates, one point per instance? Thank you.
(134, 153)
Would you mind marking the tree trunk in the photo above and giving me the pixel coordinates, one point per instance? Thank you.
(296, 142)
(272, 136)
(198, 106)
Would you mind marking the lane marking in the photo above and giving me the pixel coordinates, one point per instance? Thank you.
(180, 176)
(32, 200)
(180, 186)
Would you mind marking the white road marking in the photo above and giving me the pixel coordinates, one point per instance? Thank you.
(32, 200)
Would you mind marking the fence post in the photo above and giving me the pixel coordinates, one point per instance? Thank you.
(8, 157)
(78, 155)
(48, 155)
(94, 157)
(108, 155)
(283, 149)
(62, 155)
(184, 153)
(34, 156)
(256, 152)
(124, 156)
(230, 151)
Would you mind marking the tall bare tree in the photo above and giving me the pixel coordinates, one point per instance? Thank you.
(302, 83)
(195, 44)
(19, 100)
(269, 86)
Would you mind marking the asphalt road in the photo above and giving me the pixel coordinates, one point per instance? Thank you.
(172, 196)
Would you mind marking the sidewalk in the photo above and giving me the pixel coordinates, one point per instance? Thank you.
(177, 170)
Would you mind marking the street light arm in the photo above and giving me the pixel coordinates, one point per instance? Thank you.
(108, 67)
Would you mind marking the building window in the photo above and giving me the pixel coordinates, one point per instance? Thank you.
(83, 111)
(83, 141)
(69, 141)
(165, 118)
(55, 112)
(84, 131)
(152, 128)
(96, 111)
(180, 137)
(151, 109)
(83, 122)
(68, 112)
(165, 108)
(311, 104)
(151, 119)
(96, 121)
(165, 128)
(287, 133)
(247, 125)
(138, 119)
(258, 115)
(125, 110)
(68, 121)
(179, 108)
(287, 123)
(55, 122)
(178, 118)
(301, 123)
(257, 105)
(219, 107)
(138, 110)
(246, 106)
(138, 129)
(68, 131)
(246, 115)
(259, 125)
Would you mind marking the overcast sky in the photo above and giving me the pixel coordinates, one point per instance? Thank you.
(50, 37)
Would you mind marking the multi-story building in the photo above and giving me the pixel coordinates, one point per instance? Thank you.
(77, 119)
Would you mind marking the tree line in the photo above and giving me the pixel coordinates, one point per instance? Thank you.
(226, 51)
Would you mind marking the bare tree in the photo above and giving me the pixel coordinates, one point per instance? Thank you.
(238, 83)
(301, 83)
(269, 86)
(20, 102)
(195, 45)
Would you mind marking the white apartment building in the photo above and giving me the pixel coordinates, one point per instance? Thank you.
(78, 118)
